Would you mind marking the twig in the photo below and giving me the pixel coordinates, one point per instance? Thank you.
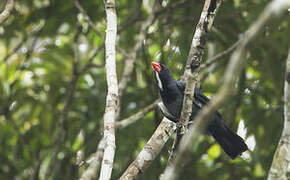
(151, 150)
(137, 17)
(112, 96)
(8, 8)
(281, 160)
(60, 135)
(37, 33)
(88, 19)
(92, 171)
(226, 91)
(92, 26)
(125, 122)
(15, 49)
(192, 67)
(172, 6)
(215, 58)
(132, 56)
(89, 63)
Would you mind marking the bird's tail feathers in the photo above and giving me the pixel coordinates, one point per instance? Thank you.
(230, 142)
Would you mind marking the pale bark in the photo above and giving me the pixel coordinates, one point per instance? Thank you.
(278, 170)
(226, 91)
(112, 95)
(7, 10)
(151, 150)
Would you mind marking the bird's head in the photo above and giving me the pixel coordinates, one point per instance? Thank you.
(163, 75)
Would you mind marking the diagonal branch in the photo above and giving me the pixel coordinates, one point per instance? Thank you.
(150, 151)
(92, 170)
(216, 57)
(112, 95)
(88, 19)
(7, 10)
(135, 117)
(226, 91)
(192, 66)
(130, 61)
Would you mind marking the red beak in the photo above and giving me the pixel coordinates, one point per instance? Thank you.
(156, 66)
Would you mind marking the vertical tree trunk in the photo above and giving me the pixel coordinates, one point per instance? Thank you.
(112, 96)
(278, 170)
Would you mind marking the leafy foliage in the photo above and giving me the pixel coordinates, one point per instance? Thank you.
(36, 67)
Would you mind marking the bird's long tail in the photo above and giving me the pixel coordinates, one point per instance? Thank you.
(231, 143)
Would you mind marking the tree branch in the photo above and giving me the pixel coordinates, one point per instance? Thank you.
(112, 95)
(92, 170)
(150, 150)
(88, 19)
(281, 160)
(89, 64)
(192, 66)
(132, 56)
(61, 132)
(8, 8)
(216, 57)
(226, 91)
(130, 120)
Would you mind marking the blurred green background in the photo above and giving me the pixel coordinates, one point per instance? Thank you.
(36, 58)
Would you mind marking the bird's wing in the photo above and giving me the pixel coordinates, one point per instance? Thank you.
(197, 92)
(181, 85)
(203, 99)
(198, 95)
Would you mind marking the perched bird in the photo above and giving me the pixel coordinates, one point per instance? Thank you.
(172, 93)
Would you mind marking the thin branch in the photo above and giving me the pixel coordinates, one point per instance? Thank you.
(138, 17)
(89, 63)
(88, 19)
(132, 56)
(130, 22)
(112, 96)
(192, 67)
(7, 10)
(226, 91)
(170, 7)
(150, 150)
(15, 49)
(215, 58)
(37, 32)
(61, 132)
(281, 160)
(130, 120)
(92, 171)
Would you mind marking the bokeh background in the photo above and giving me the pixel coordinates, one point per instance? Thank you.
(36, 65)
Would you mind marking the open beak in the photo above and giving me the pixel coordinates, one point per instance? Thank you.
(156, 66)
